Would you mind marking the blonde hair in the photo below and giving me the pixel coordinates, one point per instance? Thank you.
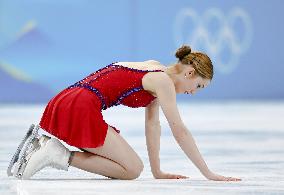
(200, 61)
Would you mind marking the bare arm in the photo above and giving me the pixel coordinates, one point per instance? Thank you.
(153, 133)
(165, 90)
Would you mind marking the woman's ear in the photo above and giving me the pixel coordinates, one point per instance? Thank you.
(189, 73)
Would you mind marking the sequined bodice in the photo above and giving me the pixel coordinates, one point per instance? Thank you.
(117, 84)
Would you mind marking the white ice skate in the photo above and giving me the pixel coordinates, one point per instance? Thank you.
(50, 153)
(42, 151)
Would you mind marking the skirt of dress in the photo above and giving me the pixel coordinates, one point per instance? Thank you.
(74, 116)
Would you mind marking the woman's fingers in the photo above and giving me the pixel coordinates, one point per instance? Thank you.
(173, 176)
(221, 178)
(182, 177)
(232, 179)
(217, 177)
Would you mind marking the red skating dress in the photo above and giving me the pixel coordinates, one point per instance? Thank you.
(75, 114)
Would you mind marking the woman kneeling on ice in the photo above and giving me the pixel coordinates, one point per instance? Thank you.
(75, 116)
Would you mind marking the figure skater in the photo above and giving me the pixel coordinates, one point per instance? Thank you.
(75, 116)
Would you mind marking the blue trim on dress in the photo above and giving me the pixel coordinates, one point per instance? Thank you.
(92, 89)
(125, 94)
(137, 70)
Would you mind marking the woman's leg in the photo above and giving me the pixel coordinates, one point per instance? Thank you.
(97, 164)
(115, 159)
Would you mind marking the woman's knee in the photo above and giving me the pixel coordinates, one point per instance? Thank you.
(134, 171)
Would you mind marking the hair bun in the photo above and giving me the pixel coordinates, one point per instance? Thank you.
(183, 51)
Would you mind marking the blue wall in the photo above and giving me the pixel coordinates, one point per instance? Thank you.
(47, 45)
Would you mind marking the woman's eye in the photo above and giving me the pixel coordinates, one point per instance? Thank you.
(198, 86)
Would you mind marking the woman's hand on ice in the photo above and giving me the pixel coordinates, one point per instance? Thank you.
(162, 175)
(216, 177)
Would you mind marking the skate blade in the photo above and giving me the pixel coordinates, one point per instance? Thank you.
(23, 146)
(21, 164)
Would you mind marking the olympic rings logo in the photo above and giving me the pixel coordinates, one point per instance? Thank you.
(231, 39)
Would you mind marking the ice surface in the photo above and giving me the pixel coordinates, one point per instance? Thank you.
(238, 139)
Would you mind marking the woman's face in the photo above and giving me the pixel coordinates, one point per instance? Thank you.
(190, 82)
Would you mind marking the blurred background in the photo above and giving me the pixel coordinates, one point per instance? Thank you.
(47, 45)
(237, 121)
